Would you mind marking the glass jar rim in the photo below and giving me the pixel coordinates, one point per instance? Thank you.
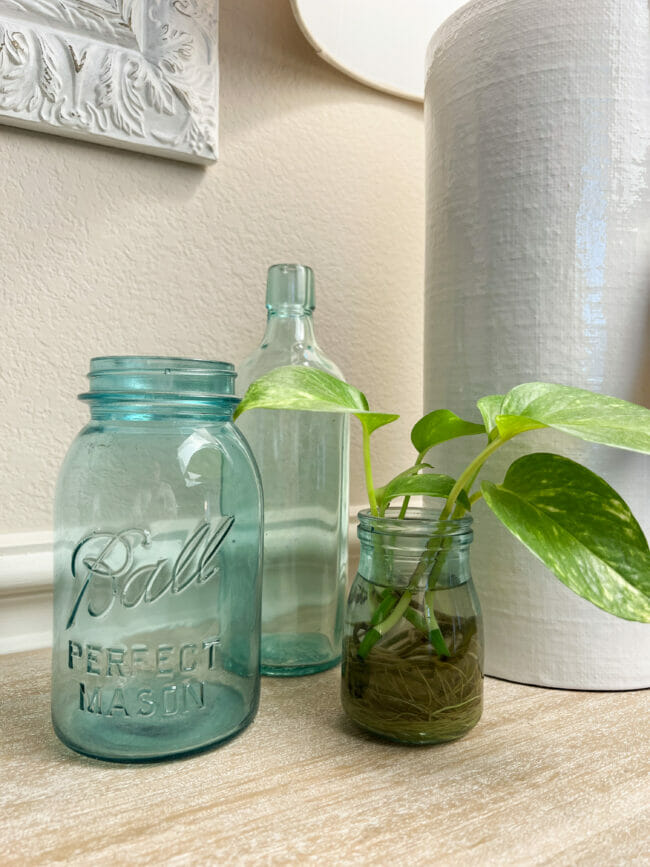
(152, 363)
(419, 521)
(143, 379)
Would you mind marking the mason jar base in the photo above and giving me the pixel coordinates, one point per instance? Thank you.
(131, 746)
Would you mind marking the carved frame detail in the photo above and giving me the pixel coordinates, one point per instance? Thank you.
(137, 74)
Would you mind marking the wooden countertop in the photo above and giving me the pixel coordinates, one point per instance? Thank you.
(547, 777)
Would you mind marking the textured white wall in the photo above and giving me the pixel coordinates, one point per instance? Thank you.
(108, 252)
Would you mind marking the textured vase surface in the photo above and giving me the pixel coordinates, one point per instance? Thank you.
(537, 119)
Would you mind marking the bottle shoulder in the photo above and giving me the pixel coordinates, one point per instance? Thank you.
(268, 358)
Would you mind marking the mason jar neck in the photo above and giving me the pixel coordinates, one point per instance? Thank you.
(145, 388)
(157, 408)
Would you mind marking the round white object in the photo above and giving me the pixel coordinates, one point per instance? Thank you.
(381, 43)
(537, 116)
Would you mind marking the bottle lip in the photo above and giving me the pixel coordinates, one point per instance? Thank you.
(290, 287)
(418, 522)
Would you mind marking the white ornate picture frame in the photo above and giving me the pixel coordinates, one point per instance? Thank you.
(136, 74)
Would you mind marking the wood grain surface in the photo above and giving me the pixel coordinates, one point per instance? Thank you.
(547, 777)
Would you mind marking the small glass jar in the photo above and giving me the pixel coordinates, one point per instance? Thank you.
(413, 645)
(157, 590)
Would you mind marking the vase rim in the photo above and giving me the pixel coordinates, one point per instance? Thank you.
(419, 521)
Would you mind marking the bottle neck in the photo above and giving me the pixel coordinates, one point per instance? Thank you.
(288, 325)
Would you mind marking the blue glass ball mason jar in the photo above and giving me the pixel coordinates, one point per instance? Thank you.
(158, 518)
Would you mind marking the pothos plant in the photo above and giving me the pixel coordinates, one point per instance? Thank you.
(565, 514)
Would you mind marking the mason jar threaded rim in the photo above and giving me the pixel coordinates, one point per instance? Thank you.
(153, 362)
(160, 379)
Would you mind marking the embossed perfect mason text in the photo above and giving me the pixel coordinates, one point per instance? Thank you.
(161, 662)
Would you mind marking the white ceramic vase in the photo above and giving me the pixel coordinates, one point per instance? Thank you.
(538, 268)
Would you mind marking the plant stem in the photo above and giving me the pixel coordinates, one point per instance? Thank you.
(429, 627)
(435, 633)
(373, 635)
(465, 482)
(459, 509)
(372, 499)
(388, 602)
(407, 500)
(417, 620)
(432, 558)
(468, 475)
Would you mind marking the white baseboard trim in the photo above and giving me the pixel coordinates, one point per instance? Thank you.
(26, 586)
(25, 591)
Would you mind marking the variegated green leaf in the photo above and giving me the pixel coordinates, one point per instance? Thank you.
(307, 389)
(411, 484)
(438, 427)
(490, 407)
(593, 417)
(579, 527)
(304, 388)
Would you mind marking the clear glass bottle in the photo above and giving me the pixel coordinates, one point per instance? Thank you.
(303, 461)
(409, 685)
(157, 585)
